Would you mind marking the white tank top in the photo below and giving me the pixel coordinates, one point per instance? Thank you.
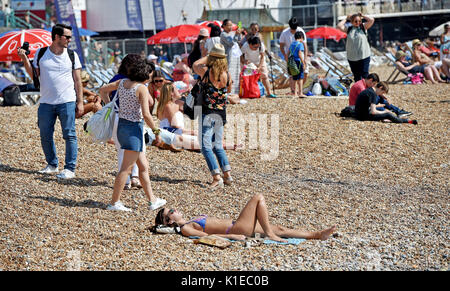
(130, 108)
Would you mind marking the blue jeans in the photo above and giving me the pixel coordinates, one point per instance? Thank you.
(210, 138)
(47, 115)
(360, 69)
(387, 106)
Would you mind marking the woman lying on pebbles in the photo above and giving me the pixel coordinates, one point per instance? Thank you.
(254, 218)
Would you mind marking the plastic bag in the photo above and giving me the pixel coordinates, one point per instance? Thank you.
(100, 125)
(317, 89)
(236, 51)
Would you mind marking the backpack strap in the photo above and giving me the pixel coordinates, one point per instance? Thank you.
(72, 57)
(41, 53)
(69, 51)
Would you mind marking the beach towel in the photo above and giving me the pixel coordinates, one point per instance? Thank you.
(290, 241)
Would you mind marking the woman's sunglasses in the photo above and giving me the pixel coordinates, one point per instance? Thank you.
(158, 81)
(166, 219)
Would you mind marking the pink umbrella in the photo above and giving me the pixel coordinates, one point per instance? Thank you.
(11, 41)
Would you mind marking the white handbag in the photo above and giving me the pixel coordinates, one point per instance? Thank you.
(100, 125)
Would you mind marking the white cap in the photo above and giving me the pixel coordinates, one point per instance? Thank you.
(152, 57)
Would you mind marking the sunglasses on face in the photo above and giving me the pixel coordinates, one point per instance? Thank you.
(158, 81)
(66, 36)
(166, 219)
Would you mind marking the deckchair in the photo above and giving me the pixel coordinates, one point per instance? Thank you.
(332, 67)
(396, 72)
(98, 80)
(337, 62)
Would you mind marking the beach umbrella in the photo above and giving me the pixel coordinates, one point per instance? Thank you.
(86, 32)
(11, 41)
(81, 31)
(437, 31)
(325, 33)
(3, 33)
(178, 34)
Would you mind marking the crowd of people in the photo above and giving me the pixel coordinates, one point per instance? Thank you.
(140, 90)
(423, 56)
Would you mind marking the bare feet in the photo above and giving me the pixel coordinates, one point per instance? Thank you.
(326, 233)
(275, 237)
(135, 182)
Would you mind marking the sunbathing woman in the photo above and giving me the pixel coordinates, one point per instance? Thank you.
(254, 218)
(172, 119)
(430, 71)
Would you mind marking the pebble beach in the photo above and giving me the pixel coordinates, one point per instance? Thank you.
(385, 186)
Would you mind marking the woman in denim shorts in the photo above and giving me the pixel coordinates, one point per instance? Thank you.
(133, 111)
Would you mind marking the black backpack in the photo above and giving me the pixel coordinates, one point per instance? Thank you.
(195, 98)
(42, 51)
(348, 112)
(11, 96)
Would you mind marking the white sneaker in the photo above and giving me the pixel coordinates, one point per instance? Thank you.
(118, 206)
(49, 170)
(157, 204)
(66, 174)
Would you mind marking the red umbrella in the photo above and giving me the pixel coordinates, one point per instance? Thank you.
(326, 33)
(11, 41)
(181, 33)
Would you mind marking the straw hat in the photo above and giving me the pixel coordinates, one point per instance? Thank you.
(84, 77)
(416, 41)
(218, 51)
(204, 32)
(399, 55)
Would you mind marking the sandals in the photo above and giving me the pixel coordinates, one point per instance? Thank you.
(135, 182)
(216, 184)
(227, 181)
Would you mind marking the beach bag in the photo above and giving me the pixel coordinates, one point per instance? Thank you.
(416, 78)
(293, 68)
(348, 112)
(100, 125)
(11, 96)
(249, 86)
(262, 90)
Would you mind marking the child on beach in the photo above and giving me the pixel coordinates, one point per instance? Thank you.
(297, 49)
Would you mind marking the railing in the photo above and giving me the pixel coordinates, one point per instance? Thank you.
(389, 6)
(36, 21)
(26, 20)
(15, 22)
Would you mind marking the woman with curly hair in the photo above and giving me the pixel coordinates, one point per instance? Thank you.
(133, 111)
(214, 115)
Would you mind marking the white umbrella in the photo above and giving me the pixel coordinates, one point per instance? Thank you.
(437, 31)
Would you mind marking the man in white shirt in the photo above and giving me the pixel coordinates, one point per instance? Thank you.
(286, 38)
(253, 52)
(61, 97)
